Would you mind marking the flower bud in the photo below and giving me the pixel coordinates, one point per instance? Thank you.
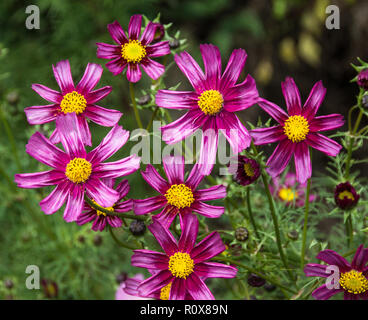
(8, 284)
(365, 101)
(49, 288)
(293, 235)
(245, 170)
(345, 196)
(97, 240)
(269, 287)
(137, 227)
(363, 79)
(255, 281)
(144, 99)
(241, 234)
(159, 31)
(174, 43)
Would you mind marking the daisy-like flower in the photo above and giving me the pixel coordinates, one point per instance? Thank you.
(297, 131)
(81, 100)
(346, 196)
(289, 190)
(75, 171)
(183, 264)
(101, 219)
(245, 170)
(127, 290)
(134, 51)
(213, 103)
(177, 195)
(353, 278)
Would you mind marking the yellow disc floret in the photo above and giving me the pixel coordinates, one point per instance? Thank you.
(354, 282)
(73, 102)
(211, 102)
(248, 169)
(165, 292)
(287, 194)
(133, 51)
(346, 194)
(98, 212)
(181, 265)
(78, 170)
(296, 128)
(180, 196)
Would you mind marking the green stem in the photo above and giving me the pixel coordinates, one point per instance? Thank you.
(305, 227)
(113, 213)
(121, 243)
(134, 103)
(349, 230)
(250, 211)
(152, 118)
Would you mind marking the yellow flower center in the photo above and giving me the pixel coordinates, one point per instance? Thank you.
(73, 102)
(287, 194)
(296, 128)
(165, 292)
(98, 212)
(211, 102)
(354, 282)
(133, 51)
(180, 196)
(346, 194)
(248, 169)
(78, 170)
(181, 265)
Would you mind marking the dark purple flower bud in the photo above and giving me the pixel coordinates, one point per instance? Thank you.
(293, 235)
(363, 79)
(137, 227)
(365, 101)
(255, 281)
(269, 287)
(241, 234)
(346, 196)
(8, 284)
(49, 288)
(174, 43)
(245, 171)
(159, 32)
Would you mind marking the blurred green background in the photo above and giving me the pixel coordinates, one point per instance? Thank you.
(282, 38)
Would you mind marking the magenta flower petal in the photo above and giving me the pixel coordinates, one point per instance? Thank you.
(323, 293)
(150, 259)
(174, 169)
(47, 93)
(189, 233)
(85, 217)
(280, 157)
(215, 270)
(41, 114)
(207, 210)
(158, 49)
(108, 51)
(63, 76)
(233, 69)
(134, 73)
(56, 198)
(212, 65)
(91, 77)
(103, 117)
(124, 206)
(241, 96)
(152, 68)
(118, 168)
(84, 131)
(333, 258)
(74, 204)
(134, 28)
(116, 66)
(195, 177)
(97, 95)
(273, 110)
(209, 143)
(316, 270)
(177, 99)
(42, 150)
(114, 221)
(148, 33)
(39, 179)
(99, 224)
(303, 166)
(149, 205)
(292, 96)
(154, 283)
(183, 127)
(314, 101)
(267, 135)
(191, 70)
(208, 248)
(103, 195)
(324, 123)
(212, 193)
(123, 188)
(154, 179)
(178, 289)
(117, 33)
(360, 258)
(197, 288)
(166, 216)
(350, 296)
(164, 238)
(324, 144)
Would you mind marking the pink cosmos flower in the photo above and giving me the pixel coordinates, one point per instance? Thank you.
(290, 191)
(101, 219)
(80, 99)
(298, 130)
(183, 264)
(213, 103)
(127, 289)
(133, 51)
(353, 278)
(177, 195)
(76, 171)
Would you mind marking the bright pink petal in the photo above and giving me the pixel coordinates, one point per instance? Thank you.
(197, 288)
(212, 193)
(117, 33)
(316, 270)
(114, 221)
(152, 68)
(208, 248)
(144, 206)
(108, 51)
(174, 169)
(267, 135)
(102, 194)
(118, 168)
(188, 237)
(324, 144)
(158, 49)
(178, 289)
(63, 76)
(150, 259)
(195, 177)
(233, 69)
(102, 116)
(164, 238)
(154, 179)
(292, 96)
(360, 258)
(154, 283)
(333, 258)
(84, 130)
(134, 73)
(123, 188)
(166, 216)
(207, 210)
(323, 293)
(97, 95)
(280, 157)
(324, 123)
(124, 206)
(314, 101)
(116, 66)
(91, 77)
(39, 179)
(56, 198)
(134, 28)
(209, 143)
(47, 93)
(42, 114)
(303, 166)
(177, 99)
(273, 110)
(148, 33)
(212, 65)
(74, 204)
(215, 270)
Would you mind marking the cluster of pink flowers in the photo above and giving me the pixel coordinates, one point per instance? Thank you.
(181, 270)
